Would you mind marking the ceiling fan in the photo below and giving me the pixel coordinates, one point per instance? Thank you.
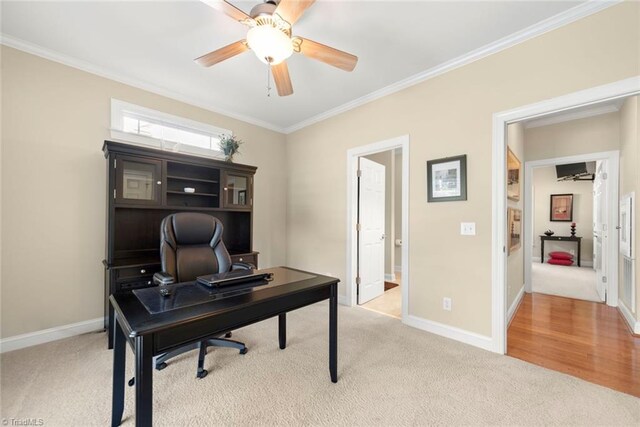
(269, 37)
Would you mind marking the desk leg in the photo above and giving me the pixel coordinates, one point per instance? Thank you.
(111, 320)
(282, 330)
(541, 251)
(333, 333)
(579, 253)
(144, 381)
(119, 353)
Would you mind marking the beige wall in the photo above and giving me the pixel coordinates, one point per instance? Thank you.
(386, 158)
(545, 183)
(446, 116)
(515, 260)
(54, 121)
(629, 175)
(585, 136)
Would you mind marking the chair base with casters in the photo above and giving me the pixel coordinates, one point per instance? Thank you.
(161, 360)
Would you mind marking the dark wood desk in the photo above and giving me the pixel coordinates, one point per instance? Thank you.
(575, 239)
(194, 312)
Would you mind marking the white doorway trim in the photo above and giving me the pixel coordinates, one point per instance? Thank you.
(612, 159)
(619, 89)
(352, 212)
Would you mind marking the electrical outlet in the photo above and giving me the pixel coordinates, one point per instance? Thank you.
(446, 303)
(468, 228)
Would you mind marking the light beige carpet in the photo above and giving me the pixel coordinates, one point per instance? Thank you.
(389, 374)
(565, 281)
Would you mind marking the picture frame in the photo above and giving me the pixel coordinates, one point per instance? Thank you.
(447, 179)
(513, 176)
(514, 229)
(561, 207)
(242, 197)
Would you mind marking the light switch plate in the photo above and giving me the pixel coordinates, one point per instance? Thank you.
(468, 228)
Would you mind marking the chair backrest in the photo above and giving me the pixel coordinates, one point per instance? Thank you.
(191, 245)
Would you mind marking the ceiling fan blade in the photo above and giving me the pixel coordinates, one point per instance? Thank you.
(221, 54)
(292, 10)
(229, 9)
(281, 76)
(328, 55)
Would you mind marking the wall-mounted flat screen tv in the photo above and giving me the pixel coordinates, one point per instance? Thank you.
(571, 170)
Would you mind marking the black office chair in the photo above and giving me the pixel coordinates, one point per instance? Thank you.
(191, 246)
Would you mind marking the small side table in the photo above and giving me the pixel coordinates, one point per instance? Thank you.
(576, 239)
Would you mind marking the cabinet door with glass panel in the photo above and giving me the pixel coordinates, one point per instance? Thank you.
(138, 180)
(236, 189)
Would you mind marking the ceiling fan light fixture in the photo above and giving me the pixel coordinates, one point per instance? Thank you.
(270, 44)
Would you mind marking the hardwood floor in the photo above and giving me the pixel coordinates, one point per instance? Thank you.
(580, 338)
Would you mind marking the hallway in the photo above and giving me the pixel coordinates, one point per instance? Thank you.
(581, 338)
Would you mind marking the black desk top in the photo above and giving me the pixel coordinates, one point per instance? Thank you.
(554, 237)
(191, 301)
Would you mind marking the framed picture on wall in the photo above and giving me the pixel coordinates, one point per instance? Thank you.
(561, 207)
(514, 229)
(513, 176)
(447, 179)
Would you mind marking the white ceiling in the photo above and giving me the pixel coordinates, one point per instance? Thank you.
(154, 43)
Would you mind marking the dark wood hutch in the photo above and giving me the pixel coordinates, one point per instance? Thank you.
(144, 185)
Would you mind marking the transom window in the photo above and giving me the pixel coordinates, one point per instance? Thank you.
(143, 126)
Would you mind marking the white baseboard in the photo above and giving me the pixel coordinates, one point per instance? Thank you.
(397, 269)
(342, 300)
(390, 277)
(515, 305)
(629, 317)
(471, 338)
(52, 334)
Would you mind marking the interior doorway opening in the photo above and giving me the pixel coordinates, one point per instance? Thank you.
(570, 102)
(569, 227)
(378, 229)
(569, 235)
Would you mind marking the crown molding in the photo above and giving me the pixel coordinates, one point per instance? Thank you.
(51, 55)
(575, 115)
(575, 13)
(578, 12)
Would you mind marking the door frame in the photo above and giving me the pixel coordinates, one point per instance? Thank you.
(353, 154)
(612, 159)
(619, 89)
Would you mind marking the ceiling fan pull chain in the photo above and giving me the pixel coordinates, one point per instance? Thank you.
(269, 80)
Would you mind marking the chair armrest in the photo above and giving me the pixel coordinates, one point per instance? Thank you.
(242, 266)
(162, 278)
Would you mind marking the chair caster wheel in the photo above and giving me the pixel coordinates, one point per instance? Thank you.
(202, 374)
(244, 350)
(161, 366)
(132, 381)
(227, 335)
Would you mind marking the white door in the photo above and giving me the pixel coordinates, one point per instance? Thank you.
(371, 235)
(600, 228)
(626, 225)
